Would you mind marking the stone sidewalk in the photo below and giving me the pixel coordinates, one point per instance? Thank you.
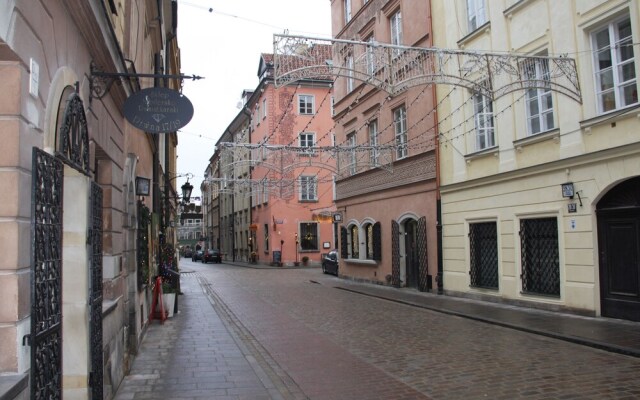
(200, 353)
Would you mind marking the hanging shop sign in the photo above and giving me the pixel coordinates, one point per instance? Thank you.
(158, 110)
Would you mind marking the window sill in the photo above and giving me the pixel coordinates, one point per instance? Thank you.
(611, 116)
(537, 138)
(481, 154)
(514, 8)
(484, 28)
(360, 262)
(307, 201)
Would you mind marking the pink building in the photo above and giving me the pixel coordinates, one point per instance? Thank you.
(292, 199)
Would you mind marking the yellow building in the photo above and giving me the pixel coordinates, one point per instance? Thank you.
(541, 191)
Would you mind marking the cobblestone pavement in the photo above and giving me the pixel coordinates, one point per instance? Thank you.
(259, 333)
(337, 344)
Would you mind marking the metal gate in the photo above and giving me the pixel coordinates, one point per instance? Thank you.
(95, 293)
(395, 254)
(424, 283)
(46, 278)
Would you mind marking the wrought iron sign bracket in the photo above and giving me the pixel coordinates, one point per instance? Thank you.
(100, 82)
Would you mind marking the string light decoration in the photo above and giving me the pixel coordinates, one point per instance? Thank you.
(394, 69)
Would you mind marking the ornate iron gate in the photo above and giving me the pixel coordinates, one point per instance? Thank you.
(95, 292)
(423, 265)
(395, 254)
(46, 261)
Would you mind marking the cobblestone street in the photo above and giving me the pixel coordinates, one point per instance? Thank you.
(299, 336)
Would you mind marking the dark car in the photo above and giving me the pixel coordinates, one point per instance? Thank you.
(330, 263)
(212, 255)
(188, 253)
(197, 255)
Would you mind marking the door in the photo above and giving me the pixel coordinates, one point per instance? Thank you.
(411, 252)
(619, 246)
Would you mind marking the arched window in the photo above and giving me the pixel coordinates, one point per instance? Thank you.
(368, 229)
(354, 242)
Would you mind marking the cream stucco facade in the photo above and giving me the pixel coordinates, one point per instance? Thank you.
(541, 140)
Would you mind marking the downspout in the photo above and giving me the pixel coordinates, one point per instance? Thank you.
(439, 277)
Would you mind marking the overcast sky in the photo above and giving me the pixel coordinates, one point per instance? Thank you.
(224, 46)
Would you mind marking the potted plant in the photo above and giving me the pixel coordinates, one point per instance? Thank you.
(305, 260)
(168, 298)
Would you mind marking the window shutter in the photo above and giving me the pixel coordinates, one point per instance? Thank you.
(344, 252)
(377, 241)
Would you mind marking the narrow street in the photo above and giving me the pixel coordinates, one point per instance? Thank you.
(258, 333)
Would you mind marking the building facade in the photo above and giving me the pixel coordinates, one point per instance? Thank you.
(541, 192)
(386, 190)
(75, 302)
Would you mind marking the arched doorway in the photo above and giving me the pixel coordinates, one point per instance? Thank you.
(618, 214)
(411, 261)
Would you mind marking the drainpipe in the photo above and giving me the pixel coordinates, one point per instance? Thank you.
(439, 277)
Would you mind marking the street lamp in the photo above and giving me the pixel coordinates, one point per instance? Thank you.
(187, 188)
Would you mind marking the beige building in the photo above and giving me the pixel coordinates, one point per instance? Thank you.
(541, 192)
(74, 296)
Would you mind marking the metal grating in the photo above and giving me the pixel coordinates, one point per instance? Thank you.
(540, 256)
(95, 293)
(46, 279)
(483, 244)
(423, 266)
(73, 135)
(395, 254)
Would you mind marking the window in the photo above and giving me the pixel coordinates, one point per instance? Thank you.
(368, 228)
(333, 110)
(353, 161)
(354, 242)
(476, 14)
(400, 126)
(347, 11)
(483, 249)
(396, 28)
(264, 108)
(307, 142)
(539, 103)
(614, 66)
(266, 237)
(373, 142)
(350, 81)
(309, 236)
(308, 188)
(371, 61)
(483, 118)
(306, 104)
(540, 256)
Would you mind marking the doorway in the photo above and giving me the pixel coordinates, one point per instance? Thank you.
(618, 214)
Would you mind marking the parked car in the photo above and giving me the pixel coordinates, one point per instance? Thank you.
(212, 255)
(197, 255)
(330, 263)
(188, 253)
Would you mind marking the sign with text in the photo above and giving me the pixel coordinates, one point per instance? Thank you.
(158, 110)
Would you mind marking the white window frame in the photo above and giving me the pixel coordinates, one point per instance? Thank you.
(264, 108)
(373, 142)
(371, 60)
(395, 22)
(353, 160)
(307, 140)
(614, 50)
(308, 188)
(309, 105)
(539, 102)
(483, 122)
(347, 11)
(476, 14)
(350, 81)
(400, 128)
